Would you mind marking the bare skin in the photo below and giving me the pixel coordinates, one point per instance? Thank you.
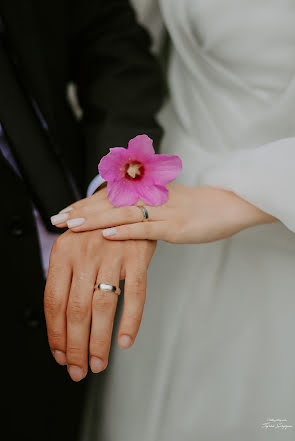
(191, 215)
(80, 321)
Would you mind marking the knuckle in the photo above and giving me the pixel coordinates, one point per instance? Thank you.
(87, 247)
(137, 294)
(77, 310)
(100, 351)
(103, 301)
(89, 244)
(74, 354)
(78, 208)
(52, 303)
(99, 343)
(138, 282)
(60, 242)
(55, 338)
(83, 278)
(99, 195)
(129, 212)
(133, 318)
(56, 245)
(115, 262)
(140, 269)
(78, 204)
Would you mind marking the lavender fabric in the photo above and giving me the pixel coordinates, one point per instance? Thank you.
(46, 238)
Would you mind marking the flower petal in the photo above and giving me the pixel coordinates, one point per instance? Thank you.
(122, 193)
(112, 166)
(163, 169)
(152, 194)
(141, 147)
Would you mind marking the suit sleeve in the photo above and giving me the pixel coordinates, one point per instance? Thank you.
(119, 83)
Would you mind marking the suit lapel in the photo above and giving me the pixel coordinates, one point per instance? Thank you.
(22, 28)
(40, 165)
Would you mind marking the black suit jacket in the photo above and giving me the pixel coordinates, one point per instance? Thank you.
(98, 46)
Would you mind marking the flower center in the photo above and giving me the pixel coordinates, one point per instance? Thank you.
(134, 170)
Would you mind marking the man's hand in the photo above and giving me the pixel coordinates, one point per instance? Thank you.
(79, 319)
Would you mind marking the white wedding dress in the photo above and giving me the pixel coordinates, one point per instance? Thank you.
(215, 355)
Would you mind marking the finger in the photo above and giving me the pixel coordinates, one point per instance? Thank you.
(141, 230)
(104, 305)
(60, 219)
(96, 217)
(55, 303)
(78, 321)
(134, 299)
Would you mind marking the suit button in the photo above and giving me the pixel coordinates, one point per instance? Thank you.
(31, 319)
(16, 227)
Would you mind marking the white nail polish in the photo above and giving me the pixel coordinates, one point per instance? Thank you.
(65, 210)
(109, 231)
(76, 222)
(59, 218)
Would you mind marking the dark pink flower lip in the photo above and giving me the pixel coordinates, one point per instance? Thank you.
(138, 172)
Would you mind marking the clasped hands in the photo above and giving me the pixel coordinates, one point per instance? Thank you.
(114, 244)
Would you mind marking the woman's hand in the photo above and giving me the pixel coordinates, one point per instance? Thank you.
(191, 215)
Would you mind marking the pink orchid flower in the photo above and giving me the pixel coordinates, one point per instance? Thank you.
(138, 172)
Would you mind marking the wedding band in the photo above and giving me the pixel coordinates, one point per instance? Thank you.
(144, 212)
(107, 287)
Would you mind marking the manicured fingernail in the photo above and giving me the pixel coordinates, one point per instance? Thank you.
(76, 222)
(59, 218)
(76, 373)
(125, 341)
(60, 357)
(65, 210)
(96, 364)
(109, 232)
